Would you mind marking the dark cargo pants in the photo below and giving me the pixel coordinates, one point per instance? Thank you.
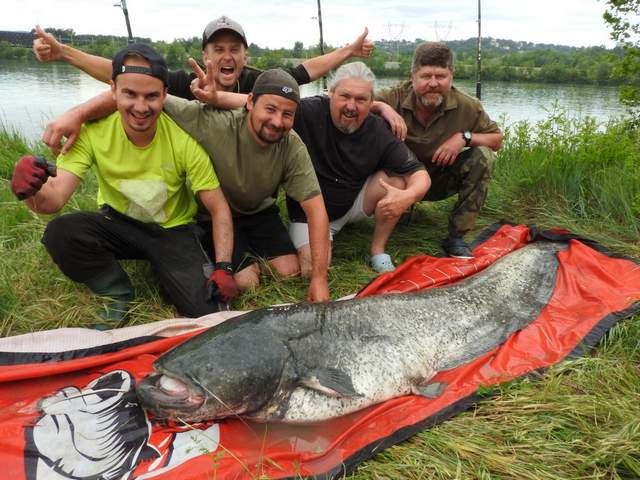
(84, 244)
(469, 177)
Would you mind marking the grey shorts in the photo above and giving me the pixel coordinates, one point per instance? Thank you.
(299, 232)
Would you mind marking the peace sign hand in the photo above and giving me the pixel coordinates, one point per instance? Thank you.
(204, 86)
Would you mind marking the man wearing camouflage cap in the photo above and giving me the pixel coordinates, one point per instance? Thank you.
(254, 152)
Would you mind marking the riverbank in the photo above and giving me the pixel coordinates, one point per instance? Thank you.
(581, 420)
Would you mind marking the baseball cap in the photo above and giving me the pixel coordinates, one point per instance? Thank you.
(223, 23)
(277, 82)
(157, 66)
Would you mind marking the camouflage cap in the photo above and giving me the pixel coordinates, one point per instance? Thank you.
(277, 82)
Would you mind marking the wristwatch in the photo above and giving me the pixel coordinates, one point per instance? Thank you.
(466, 136)
(226, 266)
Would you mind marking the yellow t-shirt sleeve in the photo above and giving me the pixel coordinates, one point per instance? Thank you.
(79, 159)
(199, 168)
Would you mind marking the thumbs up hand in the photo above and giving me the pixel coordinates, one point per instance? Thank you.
(46, 47)
(394, 202)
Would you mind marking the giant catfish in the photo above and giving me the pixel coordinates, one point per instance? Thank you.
(310, 362)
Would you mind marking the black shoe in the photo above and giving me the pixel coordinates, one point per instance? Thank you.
(456, 247)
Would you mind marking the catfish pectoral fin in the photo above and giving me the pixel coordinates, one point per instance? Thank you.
(430, 390)
(331, 382)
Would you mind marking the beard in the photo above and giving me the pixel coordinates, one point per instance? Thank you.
(268, 136)
(431, 102)
(140, 122)
(348, 127)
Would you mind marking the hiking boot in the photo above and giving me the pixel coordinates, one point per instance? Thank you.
(456, 247)
(113, 284)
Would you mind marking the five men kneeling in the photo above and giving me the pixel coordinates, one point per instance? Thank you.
(341, 163)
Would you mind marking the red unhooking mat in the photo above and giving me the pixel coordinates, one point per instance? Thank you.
(75, 415)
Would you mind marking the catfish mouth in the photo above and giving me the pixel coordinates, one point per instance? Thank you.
(164, 395)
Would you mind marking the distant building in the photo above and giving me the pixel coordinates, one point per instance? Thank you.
(17, 39)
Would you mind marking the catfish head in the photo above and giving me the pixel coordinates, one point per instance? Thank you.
(220, 373)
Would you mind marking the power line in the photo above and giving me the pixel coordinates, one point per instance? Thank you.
(395, 37)
(442, 38)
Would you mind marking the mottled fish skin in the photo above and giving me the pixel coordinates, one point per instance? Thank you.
(389, 345)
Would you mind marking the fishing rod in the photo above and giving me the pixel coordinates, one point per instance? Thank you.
(123, 5)
(478, 58)
(324, 78)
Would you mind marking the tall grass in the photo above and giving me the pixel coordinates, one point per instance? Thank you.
(579, 421)
(562, 168)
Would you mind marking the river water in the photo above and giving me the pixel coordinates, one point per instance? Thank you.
(32, 93)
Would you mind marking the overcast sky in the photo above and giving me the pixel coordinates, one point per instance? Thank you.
(279, 23)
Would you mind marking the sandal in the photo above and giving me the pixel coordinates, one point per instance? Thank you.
(381, 263)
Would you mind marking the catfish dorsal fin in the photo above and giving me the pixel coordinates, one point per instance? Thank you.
(330, 381)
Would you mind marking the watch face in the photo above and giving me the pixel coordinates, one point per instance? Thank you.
(467, 135)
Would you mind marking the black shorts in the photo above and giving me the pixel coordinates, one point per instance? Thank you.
(259, 235)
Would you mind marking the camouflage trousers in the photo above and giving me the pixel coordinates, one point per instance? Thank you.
(468, 177)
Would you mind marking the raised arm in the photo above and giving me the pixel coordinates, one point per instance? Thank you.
(48, 49)
(67, 126)
(318, 66)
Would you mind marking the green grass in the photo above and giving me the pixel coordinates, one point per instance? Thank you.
(581, 420)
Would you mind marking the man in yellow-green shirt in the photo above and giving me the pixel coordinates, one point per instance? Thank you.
(147, 170)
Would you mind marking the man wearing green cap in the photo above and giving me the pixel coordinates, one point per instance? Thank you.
(254, 152)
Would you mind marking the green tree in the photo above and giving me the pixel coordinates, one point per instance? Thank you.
(298, 50)
(623, 16)
(269, 59)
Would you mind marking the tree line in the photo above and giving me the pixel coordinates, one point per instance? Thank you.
(501, 59)
(623, 17)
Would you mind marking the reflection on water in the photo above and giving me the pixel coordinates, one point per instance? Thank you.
(31, 94)
(533, 102)
(514, 102)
